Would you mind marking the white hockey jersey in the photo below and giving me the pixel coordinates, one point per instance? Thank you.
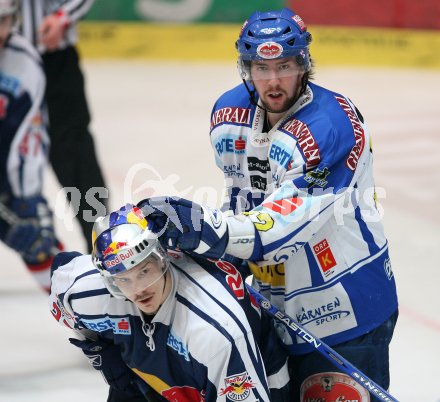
(23, 135)
(200, 346)
(306, 189)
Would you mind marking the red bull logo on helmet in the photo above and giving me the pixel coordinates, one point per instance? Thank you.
(137, 217)
(114, 248)
(118, 259)
(237, 387)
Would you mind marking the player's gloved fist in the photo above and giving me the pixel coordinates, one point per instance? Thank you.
(106, 357)
(33, 235)
(187, 226)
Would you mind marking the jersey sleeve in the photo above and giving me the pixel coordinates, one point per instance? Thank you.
(74, 10)
(28, 156)
(222, 112)
(24, 126)
(308, 195)
(75, 285)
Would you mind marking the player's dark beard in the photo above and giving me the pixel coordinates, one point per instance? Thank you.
(287, 105)
(252, 98)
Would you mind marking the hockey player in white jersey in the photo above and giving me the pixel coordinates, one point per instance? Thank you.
(51, 26)
(302, 204)
(26, 223)
(186, 327)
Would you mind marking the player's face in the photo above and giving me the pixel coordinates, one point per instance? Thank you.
(6, 23)
(277, 82)
(146, 285)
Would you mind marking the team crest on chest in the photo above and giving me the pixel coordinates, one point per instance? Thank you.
(237, 387)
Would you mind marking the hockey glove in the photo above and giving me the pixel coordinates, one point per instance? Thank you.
(32, 235)
(188, 226)
(106, 357)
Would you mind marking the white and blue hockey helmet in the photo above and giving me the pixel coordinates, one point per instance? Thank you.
(121, 241)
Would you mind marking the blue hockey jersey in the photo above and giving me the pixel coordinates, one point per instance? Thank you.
(306, 211)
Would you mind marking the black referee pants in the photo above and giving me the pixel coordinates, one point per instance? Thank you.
(72, 152)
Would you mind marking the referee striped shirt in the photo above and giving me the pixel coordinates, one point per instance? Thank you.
(33, 13)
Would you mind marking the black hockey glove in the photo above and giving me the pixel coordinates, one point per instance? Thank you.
(106, 357)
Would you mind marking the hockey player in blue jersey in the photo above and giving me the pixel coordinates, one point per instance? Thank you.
(186, 327)
(302, 207)
(26, 223)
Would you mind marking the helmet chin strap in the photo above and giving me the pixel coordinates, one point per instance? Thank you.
(252, 96)
(164, 284)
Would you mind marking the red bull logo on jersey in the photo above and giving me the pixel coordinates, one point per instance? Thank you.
(182, 394)
(237, 387)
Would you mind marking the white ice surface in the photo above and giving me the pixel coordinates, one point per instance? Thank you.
(151, 122)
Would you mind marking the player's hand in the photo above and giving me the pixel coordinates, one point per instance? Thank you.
(33, 235)
(188, 226)
(51, 31)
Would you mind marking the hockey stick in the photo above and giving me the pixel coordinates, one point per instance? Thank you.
(342, 364)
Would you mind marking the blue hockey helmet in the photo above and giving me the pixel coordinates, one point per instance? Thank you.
(121, 241)
(273, 35)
